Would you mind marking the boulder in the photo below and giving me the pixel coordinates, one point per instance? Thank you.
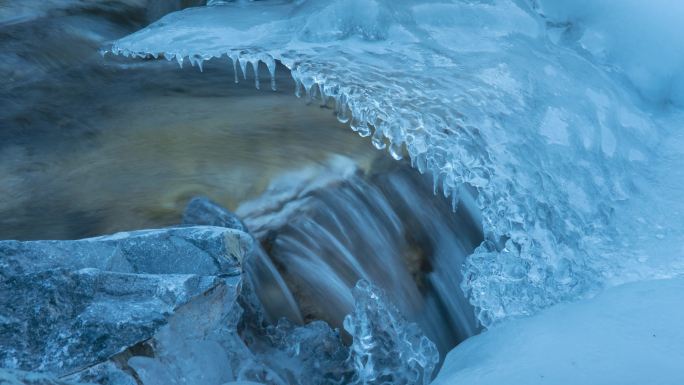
(202, 250)
(69, 305)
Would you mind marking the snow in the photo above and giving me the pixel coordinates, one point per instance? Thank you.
(630, 334)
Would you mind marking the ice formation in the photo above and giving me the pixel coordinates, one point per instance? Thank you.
(386, 349)
(520, 100)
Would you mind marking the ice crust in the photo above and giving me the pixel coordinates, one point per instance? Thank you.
(557, 141)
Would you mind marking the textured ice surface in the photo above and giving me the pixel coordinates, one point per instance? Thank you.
(629, 334)
(386, 348)
(575, 183)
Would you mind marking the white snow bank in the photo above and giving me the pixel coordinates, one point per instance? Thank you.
(630, 334)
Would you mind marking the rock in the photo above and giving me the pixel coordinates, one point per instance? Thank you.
(69, 305)
(18, 377)
(198, 344)
(67, 320)
(199, 250)
(203, 211)
(271, 289)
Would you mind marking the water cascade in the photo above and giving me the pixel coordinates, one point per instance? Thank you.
(327, 227)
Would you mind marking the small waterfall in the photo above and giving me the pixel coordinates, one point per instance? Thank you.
(326, 227)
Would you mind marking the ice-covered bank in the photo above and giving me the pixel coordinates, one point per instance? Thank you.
(630, 334)
(578, 174)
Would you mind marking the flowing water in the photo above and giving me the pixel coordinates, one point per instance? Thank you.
(326, 227)
(91, 146)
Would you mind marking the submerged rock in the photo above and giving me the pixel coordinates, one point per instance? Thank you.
(68, 305)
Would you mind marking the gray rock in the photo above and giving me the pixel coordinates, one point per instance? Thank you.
(69, 305)
(198, 344)
(18, 377)
(271, 289)
(203, 211)
(200, 250)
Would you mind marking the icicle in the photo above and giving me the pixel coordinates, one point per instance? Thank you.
(179, 60)
(342, 115)
(321, 92)
(377, 140)
(255, 67)
(311, 92)
(395, 151)
(455, 199)
(341, 108)
(271, 65)
(298, 88)
(196, 61)
(243, 67)
(234, 59)
(421, 163)
(360, 126)
(435, 182)
(364, 131)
